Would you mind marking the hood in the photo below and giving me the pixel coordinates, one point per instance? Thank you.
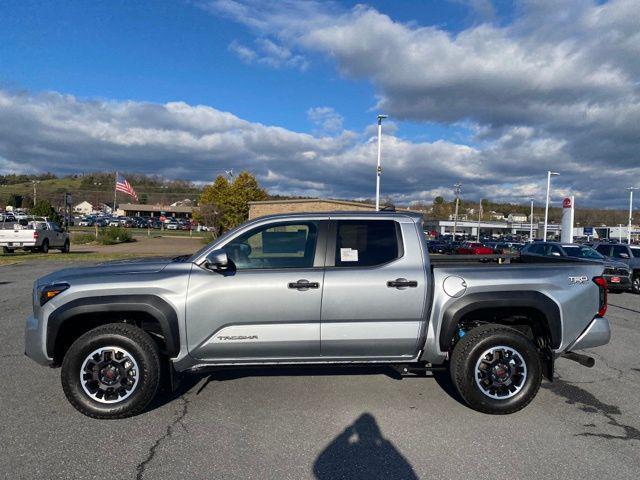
(615, 263)
(117, 267)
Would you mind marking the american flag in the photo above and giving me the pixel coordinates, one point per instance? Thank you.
(125, 187)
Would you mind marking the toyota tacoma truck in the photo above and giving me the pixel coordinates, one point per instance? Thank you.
(309, 289)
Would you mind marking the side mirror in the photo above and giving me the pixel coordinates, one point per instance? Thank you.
(217, 260)
(555, 254)
(624, 255)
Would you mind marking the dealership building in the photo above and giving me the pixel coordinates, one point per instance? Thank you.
(272, 207)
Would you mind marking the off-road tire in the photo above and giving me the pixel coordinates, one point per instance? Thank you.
(45, 246)
(466, 354)
(66, 247)
(132, 339)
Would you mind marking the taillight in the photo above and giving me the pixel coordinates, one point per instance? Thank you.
(602, 284)
(35, 235)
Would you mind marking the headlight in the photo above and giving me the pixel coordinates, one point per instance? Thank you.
(50, 291)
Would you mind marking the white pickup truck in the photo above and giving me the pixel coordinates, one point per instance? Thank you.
(35, 235)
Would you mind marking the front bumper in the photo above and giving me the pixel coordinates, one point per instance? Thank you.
(597, 333)
(34, 342)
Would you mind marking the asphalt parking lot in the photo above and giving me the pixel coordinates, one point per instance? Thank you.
(322, 424)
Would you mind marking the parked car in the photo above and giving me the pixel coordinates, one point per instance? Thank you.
(172, 225)
(35, 235)
(616, 273)
(438, 247)
(7, 217)
(628, 254)
(87, 221)
(307, 288)
(473, 248)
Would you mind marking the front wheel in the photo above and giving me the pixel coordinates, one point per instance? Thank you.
(66, 247)
(112, 371)
(496, 369)
(635, 284)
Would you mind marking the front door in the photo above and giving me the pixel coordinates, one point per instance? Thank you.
(375, 290)
(267, 305)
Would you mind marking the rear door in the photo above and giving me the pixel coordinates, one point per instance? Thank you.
(375, 289)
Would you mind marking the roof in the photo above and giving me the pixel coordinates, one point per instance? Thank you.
(344, 213)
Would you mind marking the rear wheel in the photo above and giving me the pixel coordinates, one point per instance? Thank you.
(496, 369)
(112, 371)
(6, 250)
(45, 247)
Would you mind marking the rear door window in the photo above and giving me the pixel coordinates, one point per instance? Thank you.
(366, 243)
(604, 249)
(620, 251)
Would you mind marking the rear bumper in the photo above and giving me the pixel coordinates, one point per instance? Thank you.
(597, 333)
(623, 285)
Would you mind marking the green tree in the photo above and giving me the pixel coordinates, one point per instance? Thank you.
(42, 208)
(441, 209)
(15, 200)
(231, 200)
(144, 199)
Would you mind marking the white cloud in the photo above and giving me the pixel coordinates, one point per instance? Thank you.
(558, 86)
(270, 54)
(326, 118)
(64, 134)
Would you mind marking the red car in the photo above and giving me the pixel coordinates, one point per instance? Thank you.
(473, 248)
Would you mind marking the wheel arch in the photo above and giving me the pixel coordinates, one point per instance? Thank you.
(538, 305)
(150, 312)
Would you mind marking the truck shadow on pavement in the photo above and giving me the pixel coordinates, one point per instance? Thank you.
(190, 380)
(361, 452)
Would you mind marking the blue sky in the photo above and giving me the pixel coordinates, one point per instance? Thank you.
(488, 93)
(160, 51)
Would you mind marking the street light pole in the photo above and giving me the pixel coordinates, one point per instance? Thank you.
(35, 190)
(531, 223)
(631, 189)
(546, 208)
(379, 168)
(456, 189)
(479, 219)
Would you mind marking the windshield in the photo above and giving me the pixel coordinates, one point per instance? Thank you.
(583, 252)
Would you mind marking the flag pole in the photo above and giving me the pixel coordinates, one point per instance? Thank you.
(115, 192)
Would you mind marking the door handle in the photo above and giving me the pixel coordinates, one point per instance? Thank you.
(402, 283)
(303, 285)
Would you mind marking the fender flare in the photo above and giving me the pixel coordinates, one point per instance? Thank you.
(155, 306)
(506, 299)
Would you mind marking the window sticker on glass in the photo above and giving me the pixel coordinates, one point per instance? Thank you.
(348, 255)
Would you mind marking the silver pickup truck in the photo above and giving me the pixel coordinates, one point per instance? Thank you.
(322, 288)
